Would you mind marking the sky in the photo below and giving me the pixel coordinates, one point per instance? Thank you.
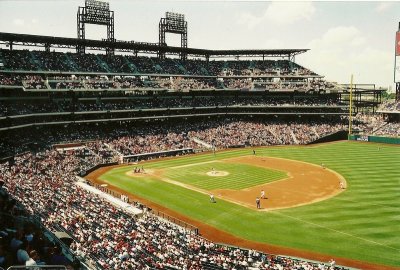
(344, 38)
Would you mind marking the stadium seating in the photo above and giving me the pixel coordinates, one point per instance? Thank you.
(116, 106)
(105, 237)
(39, 61)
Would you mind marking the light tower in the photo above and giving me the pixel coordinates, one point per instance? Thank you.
(95, 12)
(172, 23)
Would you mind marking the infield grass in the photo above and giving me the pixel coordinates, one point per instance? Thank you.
(362, 223)
(240, 175)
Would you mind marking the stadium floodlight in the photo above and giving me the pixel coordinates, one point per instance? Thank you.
(95, 12)
(98, 5)
(173, 23)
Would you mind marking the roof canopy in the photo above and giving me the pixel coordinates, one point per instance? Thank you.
(136, 47)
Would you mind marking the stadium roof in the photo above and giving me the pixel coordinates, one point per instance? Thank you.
(132, 46)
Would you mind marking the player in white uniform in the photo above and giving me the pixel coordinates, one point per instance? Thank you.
(212, 199)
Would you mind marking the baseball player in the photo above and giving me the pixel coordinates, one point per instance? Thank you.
(341, 184)
(262, 194)
(212, 199)
(258, 203)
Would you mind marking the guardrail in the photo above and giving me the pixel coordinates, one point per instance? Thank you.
(35, 267)
(176, 221)
(181, 223)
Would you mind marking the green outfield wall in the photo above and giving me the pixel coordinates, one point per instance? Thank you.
(376, 139)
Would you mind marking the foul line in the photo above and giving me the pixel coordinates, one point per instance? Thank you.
(337, 231)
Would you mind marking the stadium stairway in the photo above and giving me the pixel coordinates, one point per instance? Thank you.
(181, 68)
(131, 66)
(221, 85)
(379, 128)
(225, 66)
(35, 61)
(113, 150)
(158, 68)
(276, 136)
(198, 141)
(204, 71)
(71, 63)
(1, 61)
(46, 83)
(315, 132)
(294, 137)
(103, 64)
(252, 65)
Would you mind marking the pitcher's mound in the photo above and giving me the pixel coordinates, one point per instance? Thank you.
(217, 173)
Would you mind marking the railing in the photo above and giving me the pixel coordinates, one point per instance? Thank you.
(35, 267)
(176, 221)
(163, 215)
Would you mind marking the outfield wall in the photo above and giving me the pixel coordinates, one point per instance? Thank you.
(337, 136)
(376, 139)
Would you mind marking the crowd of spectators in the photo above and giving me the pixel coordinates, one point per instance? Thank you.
(368, 123)
(8, 108)
(102, 151)
(390, 106)
(40, 82)
(230, 133)
(44, 105)
(389, 129)
(34, 82)
(103, 235)
(131, 145)
(112, 141)
(186, 84)
(117, 63)
(43, 182)
(10, 80)
(58, 61)
(375, 124)
(22, 241)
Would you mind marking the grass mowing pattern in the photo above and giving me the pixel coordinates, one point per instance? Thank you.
(241, 175)
(362, 223)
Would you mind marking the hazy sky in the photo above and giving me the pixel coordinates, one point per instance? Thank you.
(343, 37)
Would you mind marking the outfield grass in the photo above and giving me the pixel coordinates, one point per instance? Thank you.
(240, 175)
(362, 223)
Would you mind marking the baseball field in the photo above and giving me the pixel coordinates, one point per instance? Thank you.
(306, 211)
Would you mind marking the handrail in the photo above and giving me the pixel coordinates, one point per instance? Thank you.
(48, 267)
